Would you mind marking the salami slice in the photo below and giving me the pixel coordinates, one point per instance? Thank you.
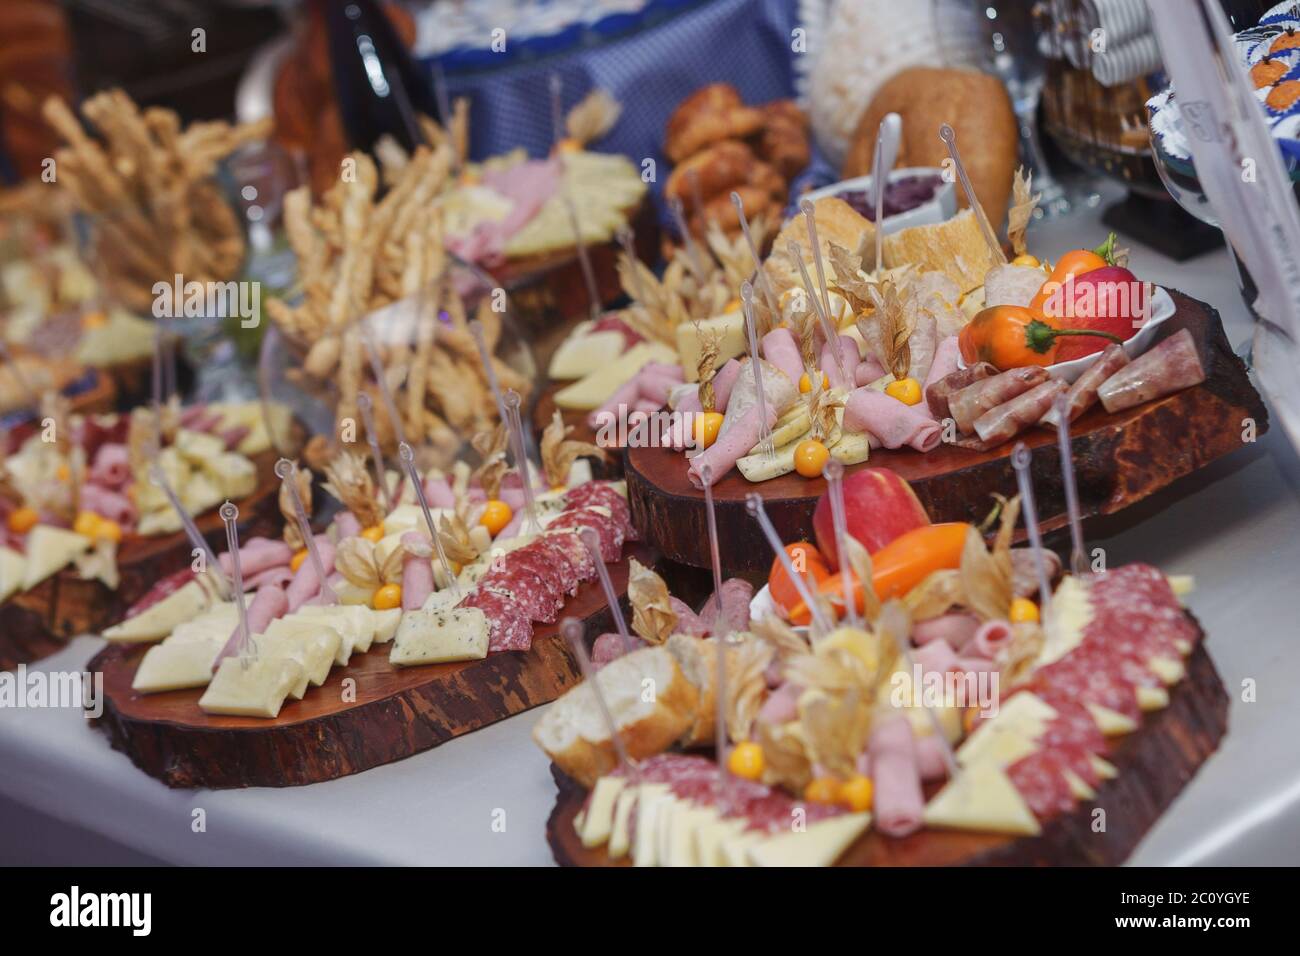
(509, 627)
(604, 494)
(532, 594)
(547, 553)
(606, 527)
(552, 574)
(1006, 421)
(573, 549)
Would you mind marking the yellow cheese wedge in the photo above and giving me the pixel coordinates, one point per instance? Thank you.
(158, 621)
(591, 392)
(1152, 698)
(199, 449)
(1078, 786)
(620, 831)
(598, 821)
(235, 475)
(653, 799)
(256, 688)
(735, 852)
(1170, 670)
(1111, 722)
(687, 820)
(584, 351)
(351, 621)
(1182, 584)
(981, 797)
(709, 839)
(219, 620)
(50, 550)
(821, 844)
(690, 338)
(311, 643)
(13, 569)
(1011, 734)
(386, 623)
(1071, 611)
(439, 636)
(177, 666)
(1105, 769)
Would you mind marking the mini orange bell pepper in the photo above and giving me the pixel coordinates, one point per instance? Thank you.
(899, 566)
(1013, 336)
(1073, 264)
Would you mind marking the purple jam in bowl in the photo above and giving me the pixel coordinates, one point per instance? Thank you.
(901, 195)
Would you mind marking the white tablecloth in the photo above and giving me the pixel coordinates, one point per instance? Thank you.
(483, 799)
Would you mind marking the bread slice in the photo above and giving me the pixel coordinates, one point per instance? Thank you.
(837, 222)
(650, 700)
(698, 659)
(955, 247)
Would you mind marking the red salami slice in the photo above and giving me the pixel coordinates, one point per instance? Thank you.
(606, 527)
(509, 627)
(552, 576)
(1040, 780)
(555, 554)
(573, 549)
(604, 494)
(530, 593)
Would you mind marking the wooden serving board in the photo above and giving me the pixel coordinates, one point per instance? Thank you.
(1118, 460)
(392, 713)
(1155, 763)
(544, 410)
(36, 623)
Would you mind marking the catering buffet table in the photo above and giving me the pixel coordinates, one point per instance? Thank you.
(483, 799)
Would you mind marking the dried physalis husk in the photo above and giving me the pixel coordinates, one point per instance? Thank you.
(886, 331)
(354, 558)
(832, 670)
(1023, 203)
(1016, 659)
(985, 578)
(860, 562)
(653, 617)
(848, 279)
(937, 594)
(348, 480)
(824, 412)
(805, 324)
(559, 452)
(390, 569)
(747, 663)
(593, 117)
(783, 638)
(836, 728)
(894, 630)
(710, 346)
(491, 447)
(292, 533)
(785, 758)
(454, 535)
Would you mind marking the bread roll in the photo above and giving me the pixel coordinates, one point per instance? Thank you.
(974, 104)
(837, 222)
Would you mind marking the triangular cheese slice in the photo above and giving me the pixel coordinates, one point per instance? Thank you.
(820, 845)
(1111, 722)
(598, 821)
(981, 797)
(50, 550)
(157, 621)
(13, 569)
(1011, 734)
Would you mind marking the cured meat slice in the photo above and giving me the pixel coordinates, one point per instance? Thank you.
(533, 596)
(1006, 421)
(508, 626)
(1169, 367)
(574, 551)
(546, 551)
(1083, 393)
(969, 403)
(605, 525)
(604, 494)
(553, 576)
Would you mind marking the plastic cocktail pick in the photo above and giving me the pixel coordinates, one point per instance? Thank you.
(810, 218)
(192, 531)
(720, 692)
(584, 259)
(834, 475)
(950, 140)
(243, 638)
(377, 367)
(571, 629)
(887, 135)
(756, 363)
(407, 456)
(692, 250)
(754, 504)
(829, 331)
(1078, 559)
(368, 417)
(591, 539)
(485, 356)
(949, 758)
(522, 465)
(287, 472)
(1020, 462)
(764, 282)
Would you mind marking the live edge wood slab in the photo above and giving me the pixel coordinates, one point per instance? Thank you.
(36, 623)
(1155, 762)
(383, 714)
(1118, 460)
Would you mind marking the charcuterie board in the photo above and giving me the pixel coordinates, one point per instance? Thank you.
(366, 714)
(37, 622)
(1119, 459)
(544, 409)
(1154, 763)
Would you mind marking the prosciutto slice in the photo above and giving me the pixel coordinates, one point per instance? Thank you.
(1083, 393)
(944, 364)
(969, 403)
(1009, 419)
(1169, 367)
(895, 424)
(938, 392)
(897, 776)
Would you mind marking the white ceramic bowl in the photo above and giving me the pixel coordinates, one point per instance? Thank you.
(941, 207)
(1162, 309)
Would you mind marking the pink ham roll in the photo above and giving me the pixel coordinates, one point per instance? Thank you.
(255, 555)
(848, 350)
(347, 525)
(930, 759)
(895, 424)
(610, 647)
(624, 397)
(782, 705)
(275, 577)
(417, 572)
(868, 370)
(306, 583)
(780, 348)
(732, 444)
(437, 491)
(897, 776)
(108, 504)
(946, 354)
(112, 467)
(991, 637)
(935, 656)
(955, 629)
(268, 604)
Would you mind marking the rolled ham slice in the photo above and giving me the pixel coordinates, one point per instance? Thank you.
(268, 603)
(1169, 367)
(1083, 393)
(868, 370)
(991, 637)
(969, 403)
(741, 425)
(782, 705)
(438, 493)
(1009, 419)
(347, 525)
(848, 351)
(112, 466)
(897, 776)
(736, 595)
(780, 348)
(954, 629)
(306, 583)
(278, 577)
(687, 398)
(257, 554)
(946, 354)
(930, 758)
(935, 656)
(688, 622)
(610, 647)
(1024, 570)
(895, 424)
(417, 573)
(109, 504)
(938, 392)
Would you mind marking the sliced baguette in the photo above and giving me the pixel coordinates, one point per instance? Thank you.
(650, 700)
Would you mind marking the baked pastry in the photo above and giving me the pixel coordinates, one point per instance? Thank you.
(783, 141)
(955, 247)
(717, 169)
(712, 113)
(837, 222)
(974, 104)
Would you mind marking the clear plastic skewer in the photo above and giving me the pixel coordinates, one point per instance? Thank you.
(809, 215)
(591, 539)
(878, 182)
(720, 689)
(949, 758)
(372, 436)
(829, 332)
(834, 475)
(197, 541)
(754, 504)
(950, 140)
(522, 465)
(688, 241)
(244, 645)
(485, 356)
(584, 258)
(287, 472)
(764, 282)
(756, 363)
(381, 380)
(1078, 558)
(1020, 459)
(407, 455)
